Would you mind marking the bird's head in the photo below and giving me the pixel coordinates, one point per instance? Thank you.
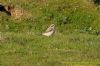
(52, 26)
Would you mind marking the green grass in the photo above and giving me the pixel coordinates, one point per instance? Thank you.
(76, 41)
(34, 50)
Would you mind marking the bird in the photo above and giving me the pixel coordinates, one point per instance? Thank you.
(50, 30)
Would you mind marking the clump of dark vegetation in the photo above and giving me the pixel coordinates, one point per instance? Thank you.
(2, 9)
(96, 2)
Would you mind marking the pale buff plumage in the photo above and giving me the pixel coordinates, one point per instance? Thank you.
(50, 30)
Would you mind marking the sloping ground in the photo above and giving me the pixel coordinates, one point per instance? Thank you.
(76, 41)
(66, 14)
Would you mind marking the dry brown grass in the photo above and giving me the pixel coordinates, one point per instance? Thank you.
(16, 13)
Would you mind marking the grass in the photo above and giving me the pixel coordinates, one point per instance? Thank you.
(75, 42)
(35, 50)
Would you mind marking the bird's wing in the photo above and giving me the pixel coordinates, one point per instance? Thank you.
(49, 29)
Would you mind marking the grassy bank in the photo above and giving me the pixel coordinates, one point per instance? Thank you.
(76, 41)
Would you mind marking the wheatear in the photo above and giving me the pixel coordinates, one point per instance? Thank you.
(50, 30)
